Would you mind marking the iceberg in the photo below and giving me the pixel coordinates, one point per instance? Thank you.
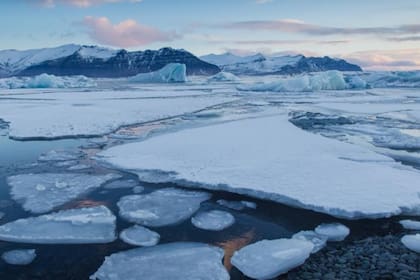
(268, 259)
(140, 236)
(47, 81)
(214, 220)
(412, 242)
(223, 77)
(171, 73)
(319, 241)
(19, 257)
(74, 226)
(162, 207)
(333, 232)
(263, 157)
(40, 193)
(410, 224)
(175, 261)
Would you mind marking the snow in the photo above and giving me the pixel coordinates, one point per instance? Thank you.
(19, 257)
(263, 157)
(268, 259)
(319, 241)
(162, 207)
(140, 236)
(74, 226)
(47, 81)
(89, 52)
(40, 193)
(410, 224)
(171, 73)
(412, 242)
(223, 77)
(175, 261)
(229, 58)
(59, 114)
(333, 232)
(214, 220)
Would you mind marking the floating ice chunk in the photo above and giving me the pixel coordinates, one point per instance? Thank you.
(61, 155)
(40, 193)
(175, 261)
(249, 204)
(213, 220)
(319, 241)
(19, 257)
(268, 259)
(138, 189)
(74, 226)
(78, 167)
(223, 77)
(410, 224)
(171, 73)
(237, 205)
(412, 242)
(162, 207)
(47, 81)
(140, 236)
(333, 232)
(121, 184)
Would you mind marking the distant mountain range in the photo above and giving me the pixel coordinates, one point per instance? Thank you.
(95, 61)
(260, 64)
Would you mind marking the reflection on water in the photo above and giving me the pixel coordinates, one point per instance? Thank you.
(234, 244)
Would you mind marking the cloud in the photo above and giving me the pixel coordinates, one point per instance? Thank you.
(81, 3)
(404, 39)
(125, 34)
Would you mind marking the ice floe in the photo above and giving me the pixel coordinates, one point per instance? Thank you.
(319, 241)
(237, 205)
(412, 242)
(47, 81)
(410, 224)
(162, 207)
(223, 77)
(140, 236)
(40, 193)
(268, 259)
(61, 155)
(171, 73)
(215, 220)
(270, 158)
(121, 184)
(74, 226)
(176, 261)
(333, 232)
(19, 257)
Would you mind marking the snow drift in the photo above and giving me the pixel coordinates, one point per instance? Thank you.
(171, 73)
(47, 81)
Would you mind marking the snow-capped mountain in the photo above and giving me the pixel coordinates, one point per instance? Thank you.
(286, 64)
(94, 61)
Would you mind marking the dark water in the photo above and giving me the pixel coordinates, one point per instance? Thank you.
(268, 221)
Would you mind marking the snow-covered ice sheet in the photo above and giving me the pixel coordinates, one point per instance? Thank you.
(171, 73)
(162, 207)
(19, 257)
(272, 159)
(74, 226)
(268, 259)
(175, 261)
(333, 232)
(412, 242)
(139, 236)
(214, 220)
(40, 193)
(410, 224)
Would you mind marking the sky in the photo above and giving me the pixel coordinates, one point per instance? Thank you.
(376, 34)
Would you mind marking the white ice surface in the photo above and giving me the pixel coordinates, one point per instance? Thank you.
(19, 257)
(74, 226)
(162, 207)
(268, 259)
(319, 241)
(171, 73)
(47, 81)
(139, 236)
(214, 220)
(61, 155)
(272, 159)
(333, 232)
(410, 224)
(412, 242)
(175, 261)
(40, 193)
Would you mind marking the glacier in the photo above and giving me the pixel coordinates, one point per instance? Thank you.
(74, 226)
(170, 73)
(47, 81)
(214, 220)
(175, 261)
(40, 193)
(139, 236)
(19, 257)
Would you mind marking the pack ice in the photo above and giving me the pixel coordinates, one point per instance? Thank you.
(268, 259)
(74, 226)
(162, 207)
(139, 236)
(213, 220)
(171, 73)
(40, 193)
(270, 158)
(19, 257)
(175, 261)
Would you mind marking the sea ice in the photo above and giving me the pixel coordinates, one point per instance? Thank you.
(19, 257)
(74, 226)
(223, 77)
(319, 241)
(171, 73)
(264, 157)
(410, 224)
(121, 184)
(333, 232)
(237, 205)
(162, 207)
(61, 155)
(412, 242)
(139, 236)
(78, 167)
(268, 259)
(175, 261)
(40, 193)
(215, 220)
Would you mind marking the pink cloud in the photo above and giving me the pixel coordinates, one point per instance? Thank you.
(125, 34)
(81, 3)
